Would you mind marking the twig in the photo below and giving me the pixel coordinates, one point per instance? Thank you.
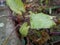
(3, 16)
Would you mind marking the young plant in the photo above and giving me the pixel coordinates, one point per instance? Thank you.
(37, 21)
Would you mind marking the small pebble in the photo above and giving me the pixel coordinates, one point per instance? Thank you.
(1, 24)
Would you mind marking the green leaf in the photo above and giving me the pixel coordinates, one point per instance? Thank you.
(41, 20)
(16, 5)
(24, 29)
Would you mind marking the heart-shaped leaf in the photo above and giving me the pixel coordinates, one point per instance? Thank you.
(24, 29)
(16, 5)
(41, 20)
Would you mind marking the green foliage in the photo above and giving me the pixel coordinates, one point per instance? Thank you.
(41, 20)
(55, 38)
(41, 2)
(47, 1)
(16, 5)
(24, 29)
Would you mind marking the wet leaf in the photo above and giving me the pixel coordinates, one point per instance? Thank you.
(41, 20)
(16, 5)
(44, 38)
(24, 29)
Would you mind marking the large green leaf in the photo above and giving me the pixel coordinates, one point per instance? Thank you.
(41, 20)
(16, 5)
(24, 29)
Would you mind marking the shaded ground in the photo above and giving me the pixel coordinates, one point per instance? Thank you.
(6, 29)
